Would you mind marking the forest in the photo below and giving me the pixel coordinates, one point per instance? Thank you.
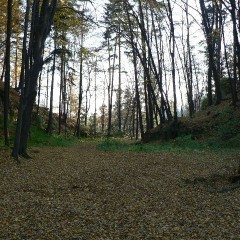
(119, 119)
(115, 69)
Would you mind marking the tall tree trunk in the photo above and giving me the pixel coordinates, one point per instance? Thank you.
(80, 93)
(7, 72)
(47, 88)
(23, 75)
(42, 18)
(159, 50)
(50, 115)
(16, 67)
(236, 56)
(110, 89)
(172, 54)
(119, 81)
(189, 68)
(95, 101)
(138, 103)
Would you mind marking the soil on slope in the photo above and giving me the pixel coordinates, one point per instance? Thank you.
(83, 193)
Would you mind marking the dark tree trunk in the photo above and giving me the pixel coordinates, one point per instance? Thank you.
(236, 57)
(42, 18)
(50, 116)
(60, 107)
(119, 82)
(189, 67)
(80, 93)
(110, 91)
(23, 75)
(7, 72)
(172, 54)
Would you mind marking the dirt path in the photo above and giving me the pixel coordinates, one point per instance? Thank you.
(83, 193)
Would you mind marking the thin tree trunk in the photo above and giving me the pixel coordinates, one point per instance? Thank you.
(95, 101)
(172, 54)
(3, 71)
(16, 67)
(7, 72)
(39, 91)
(50, 115)
(47, 89)
(61, 97)
(80, 93)
(119, 82)
(111, 91)
(189, 66)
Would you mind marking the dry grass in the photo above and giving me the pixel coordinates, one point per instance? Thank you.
(83, 193)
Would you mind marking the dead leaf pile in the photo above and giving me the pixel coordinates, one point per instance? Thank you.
(84, 193)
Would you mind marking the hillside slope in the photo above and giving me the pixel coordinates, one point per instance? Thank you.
(216, 124)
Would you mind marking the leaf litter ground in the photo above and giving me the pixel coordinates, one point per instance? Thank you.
(84, 193)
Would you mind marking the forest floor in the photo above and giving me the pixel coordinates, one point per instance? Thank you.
(84, 193)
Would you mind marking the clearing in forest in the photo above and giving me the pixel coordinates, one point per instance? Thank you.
(84, 193)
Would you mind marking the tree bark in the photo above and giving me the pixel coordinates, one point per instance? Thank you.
(50, 115)
(80, 93)
(7, 72)
(23, 75)
(42, 18)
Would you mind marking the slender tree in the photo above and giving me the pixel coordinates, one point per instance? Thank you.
(50, 115)
(7, 71)
(172, 54)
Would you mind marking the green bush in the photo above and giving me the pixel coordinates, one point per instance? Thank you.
(180, 143)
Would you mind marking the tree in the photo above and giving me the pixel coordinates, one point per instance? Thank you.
(172, 54)
(208, 20)
(50, 116)
(232, 8)
(41, 22)
(137, 95)
(7, 71)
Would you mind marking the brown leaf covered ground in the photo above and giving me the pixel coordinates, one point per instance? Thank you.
(84, 193)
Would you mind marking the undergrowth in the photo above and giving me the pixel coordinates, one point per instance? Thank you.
(180, 143)
(39, 137)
